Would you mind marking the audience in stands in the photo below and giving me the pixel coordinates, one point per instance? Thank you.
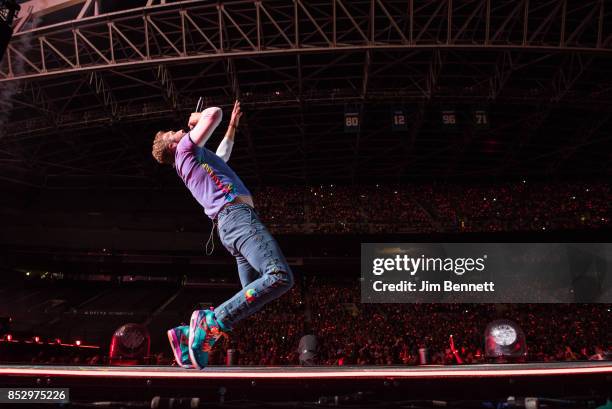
(522, 206)
(354, 333)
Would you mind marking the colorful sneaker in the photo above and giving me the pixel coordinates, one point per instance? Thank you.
(204, 331)
(179, 342)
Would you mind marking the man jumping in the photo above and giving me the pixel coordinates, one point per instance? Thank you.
(263, 270)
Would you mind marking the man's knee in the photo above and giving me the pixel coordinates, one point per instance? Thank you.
(288, 278)
(282, 277)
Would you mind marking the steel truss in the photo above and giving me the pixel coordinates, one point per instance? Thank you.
(195, 30)
(82, 92)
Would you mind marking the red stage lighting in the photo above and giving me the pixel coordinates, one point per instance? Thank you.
(37, 339)
(78, 343)
(9, 337)
(130, 345)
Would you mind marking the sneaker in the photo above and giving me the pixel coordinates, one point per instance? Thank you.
(204, 331)
(179, 342)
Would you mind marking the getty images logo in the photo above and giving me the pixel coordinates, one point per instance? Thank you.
(412, 265)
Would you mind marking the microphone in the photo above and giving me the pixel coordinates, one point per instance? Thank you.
(200, 105)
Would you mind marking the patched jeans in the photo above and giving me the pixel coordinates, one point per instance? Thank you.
(264, 272)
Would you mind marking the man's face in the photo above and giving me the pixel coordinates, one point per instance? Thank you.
(174, 137)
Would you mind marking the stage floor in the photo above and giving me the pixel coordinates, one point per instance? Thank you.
(310, 384)
(319, 372)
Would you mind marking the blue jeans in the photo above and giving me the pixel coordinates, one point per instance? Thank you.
(264, 272)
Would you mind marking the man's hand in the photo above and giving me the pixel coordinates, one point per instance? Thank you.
(225, 147)
(193, 119)
(236, 114)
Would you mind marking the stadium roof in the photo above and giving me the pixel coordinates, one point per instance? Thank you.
(86, 84)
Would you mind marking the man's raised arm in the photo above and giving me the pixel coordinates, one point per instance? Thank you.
(225, 147)
(203, 124)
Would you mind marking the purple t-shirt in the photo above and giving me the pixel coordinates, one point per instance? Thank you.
(211, 181)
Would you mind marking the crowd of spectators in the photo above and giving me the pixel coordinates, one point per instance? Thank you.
(271, 336)
(352, 333)
(519, 206)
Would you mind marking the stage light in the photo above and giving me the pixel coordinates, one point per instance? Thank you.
(37, 339)
(308, 350)
(504, 339)
(130, 344)
(77, 343)
(9, 337)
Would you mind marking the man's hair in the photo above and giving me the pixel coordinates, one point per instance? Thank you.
(161, 149)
